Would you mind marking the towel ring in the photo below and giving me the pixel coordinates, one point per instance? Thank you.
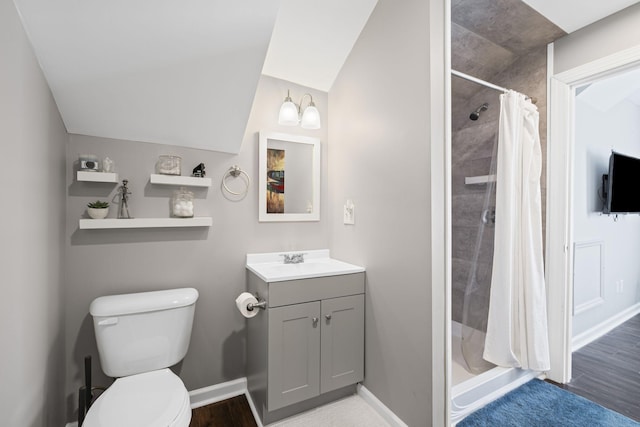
(235, 172)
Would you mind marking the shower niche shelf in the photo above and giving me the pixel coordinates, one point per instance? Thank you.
(481, 179)
(185, 181)
(109, 177)
(96, 224)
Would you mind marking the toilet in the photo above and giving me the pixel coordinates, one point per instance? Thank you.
(139, 337)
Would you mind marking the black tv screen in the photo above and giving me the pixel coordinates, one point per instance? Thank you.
(623, 184)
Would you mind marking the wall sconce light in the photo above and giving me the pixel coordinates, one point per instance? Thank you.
(290, 113)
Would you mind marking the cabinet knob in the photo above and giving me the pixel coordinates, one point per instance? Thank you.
(315, 321)
(327, 316)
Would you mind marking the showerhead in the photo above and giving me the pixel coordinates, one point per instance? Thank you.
(476, 114)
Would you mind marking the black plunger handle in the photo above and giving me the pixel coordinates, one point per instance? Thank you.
(87, 382)
(81, 406)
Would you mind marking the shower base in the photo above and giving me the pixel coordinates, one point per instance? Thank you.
(471, 392)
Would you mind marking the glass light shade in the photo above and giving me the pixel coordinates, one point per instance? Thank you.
(288, 114)
(310, 118)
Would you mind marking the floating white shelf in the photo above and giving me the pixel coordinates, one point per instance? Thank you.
(482, 179)
(97, 176)
(188, 181)
(94, 224)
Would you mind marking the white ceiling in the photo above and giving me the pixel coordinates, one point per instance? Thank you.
(605, 94)
(312, 39)
(156, 71)
(171, 71)
(571, 15)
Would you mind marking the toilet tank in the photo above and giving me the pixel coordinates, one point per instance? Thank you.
(144, 331)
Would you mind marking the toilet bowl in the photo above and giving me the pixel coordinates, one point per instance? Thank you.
(157, 398)
(139, 336)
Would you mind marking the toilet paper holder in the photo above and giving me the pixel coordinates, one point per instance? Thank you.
(260, 304)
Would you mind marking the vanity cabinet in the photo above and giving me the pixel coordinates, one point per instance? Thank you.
(307, 344)
(294, 354)
(314, 348)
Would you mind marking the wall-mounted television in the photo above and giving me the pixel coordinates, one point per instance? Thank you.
(621, 186)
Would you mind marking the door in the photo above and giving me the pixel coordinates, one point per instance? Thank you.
(342, 342)
(294, 354)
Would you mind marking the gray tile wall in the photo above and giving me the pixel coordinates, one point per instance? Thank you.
(472, 145)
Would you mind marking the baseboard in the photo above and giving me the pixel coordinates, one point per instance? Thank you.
(212, 394)
(218, 392)
(256, 416)
(379, 407)
(603, 328)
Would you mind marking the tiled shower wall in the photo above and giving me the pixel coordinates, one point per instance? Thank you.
(472, 144)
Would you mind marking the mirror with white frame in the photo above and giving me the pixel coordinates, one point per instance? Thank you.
(297, 157)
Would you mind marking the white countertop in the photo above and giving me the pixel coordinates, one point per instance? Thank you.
(270, 267)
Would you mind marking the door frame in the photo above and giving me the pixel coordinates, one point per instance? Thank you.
(559, 235)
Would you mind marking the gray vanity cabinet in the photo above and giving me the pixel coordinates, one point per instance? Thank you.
(314, 348)
(342, 338)
(307, 344)
(294, 354)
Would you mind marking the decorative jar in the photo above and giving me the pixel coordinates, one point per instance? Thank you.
(182, 204)
(169, 165)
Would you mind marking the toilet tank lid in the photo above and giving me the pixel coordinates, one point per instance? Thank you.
(116, 305)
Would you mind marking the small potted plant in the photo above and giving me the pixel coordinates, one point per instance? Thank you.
(98, 209)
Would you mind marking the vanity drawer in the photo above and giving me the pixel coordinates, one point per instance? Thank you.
(314, 289)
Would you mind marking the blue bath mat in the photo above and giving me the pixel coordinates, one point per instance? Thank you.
(540, 404)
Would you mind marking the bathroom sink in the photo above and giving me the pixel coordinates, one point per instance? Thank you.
(270, 267)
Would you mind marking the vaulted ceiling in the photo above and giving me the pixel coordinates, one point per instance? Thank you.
(155, 71)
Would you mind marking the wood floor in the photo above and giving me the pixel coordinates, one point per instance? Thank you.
(607, 371)
(234, 412)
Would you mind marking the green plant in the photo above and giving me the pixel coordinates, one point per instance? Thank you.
(98, 205)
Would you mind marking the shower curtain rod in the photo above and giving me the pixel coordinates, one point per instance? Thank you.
(477, 80)
(484, 83)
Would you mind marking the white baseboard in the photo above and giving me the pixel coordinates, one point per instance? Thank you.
(601, 329)
(379, 407)
(212, 394)
(218, 392)
(215, 393)
(256, 416)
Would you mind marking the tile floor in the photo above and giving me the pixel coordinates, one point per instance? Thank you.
(351, 411)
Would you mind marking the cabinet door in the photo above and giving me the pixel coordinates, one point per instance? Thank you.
(294, 354)
(342, 342)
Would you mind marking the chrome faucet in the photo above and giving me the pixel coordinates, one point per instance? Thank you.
(293, 258)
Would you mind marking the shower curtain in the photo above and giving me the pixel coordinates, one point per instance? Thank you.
(517, 326)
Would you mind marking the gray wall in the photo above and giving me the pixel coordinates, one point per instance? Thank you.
(31, 327)
(597, 133)
(615, 33)
(102, 262)
(611, 35)
(379, 158)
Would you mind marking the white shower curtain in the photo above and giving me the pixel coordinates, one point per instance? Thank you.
(517, 333)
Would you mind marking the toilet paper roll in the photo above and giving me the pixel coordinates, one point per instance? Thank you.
(242, 301)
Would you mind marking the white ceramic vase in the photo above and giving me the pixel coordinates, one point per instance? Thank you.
(98, 213)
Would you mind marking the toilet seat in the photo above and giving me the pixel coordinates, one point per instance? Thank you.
(156, 398)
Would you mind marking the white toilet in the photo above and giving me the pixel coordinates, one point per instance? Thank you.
(139, 336)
